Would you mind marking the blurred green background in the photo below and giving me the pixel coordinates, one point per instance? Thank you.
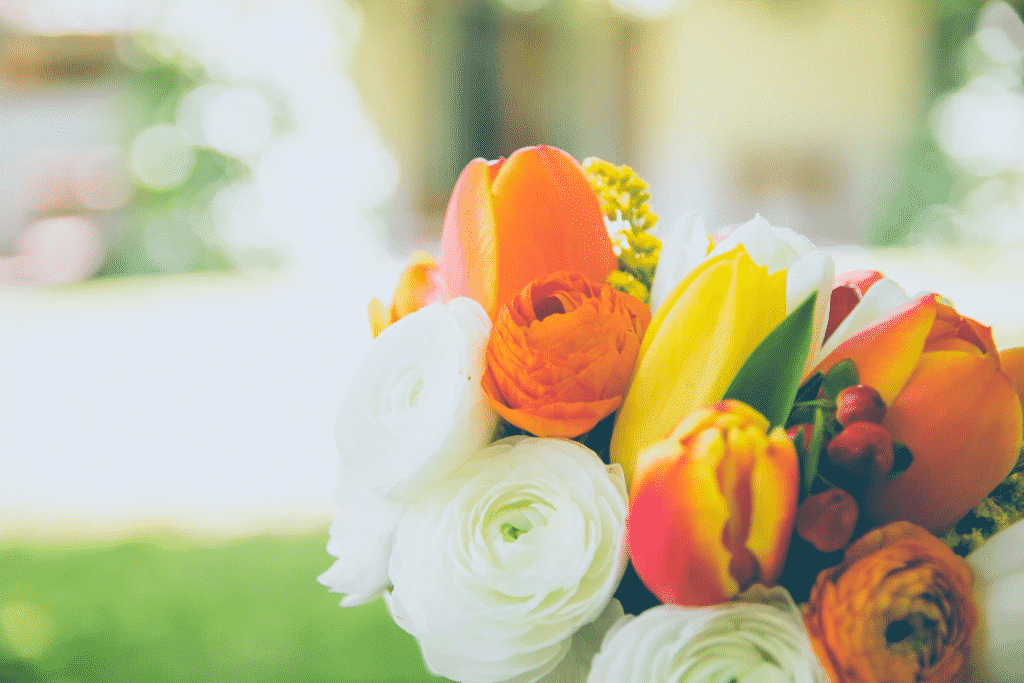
(164, 608)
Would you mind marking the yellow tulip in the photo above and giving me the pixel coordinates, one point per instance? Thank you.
(697, 341)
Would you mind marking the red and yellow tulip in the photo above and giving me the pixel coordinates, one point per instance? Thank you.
(948, 401)
(712, 507)
(514, 220)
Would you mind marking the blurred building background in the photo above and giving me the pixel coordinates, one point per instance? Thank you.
(173, 136)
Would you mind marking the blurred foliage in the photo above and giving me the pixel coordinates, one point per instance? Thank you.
(168, 231)
(927, 178)
(166, 609)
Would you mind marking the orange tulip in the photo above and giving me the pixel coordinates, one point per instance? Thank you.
(948, 401)
(416, 288)
(1012, 363)
(898, 609)
(513, 220)
(560, 355)
(712, 506)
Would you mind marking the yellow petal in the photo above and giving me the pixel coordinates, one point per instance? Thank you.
(696, 343)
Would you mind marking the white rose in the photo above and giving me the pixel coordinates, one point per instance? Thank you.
(807, 269)
(758, 638)
(496, 570)
(415, 411)
(998, 585)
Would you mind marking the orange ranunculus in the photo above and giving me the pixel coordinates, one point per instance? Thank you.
(712, 506)
(560, 355)
(899, 609)
(416, 288)
(948, 401)
(513, 220)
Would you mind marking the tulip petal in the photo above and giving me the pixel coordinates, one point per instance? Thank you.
(812, 272)
(877, 303)
(766, 245)
(1011, 361)
(861, 280)
(696, 343)
(468, 250)
(886, 352)
(961, 419)
(683, 247)
(677, 519)
(546, 217)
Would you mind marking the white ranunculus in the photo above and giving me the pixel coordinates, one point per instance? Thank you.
(496, 570)
(998, 586)
(807, 269)
(756, 639)
(415, 411)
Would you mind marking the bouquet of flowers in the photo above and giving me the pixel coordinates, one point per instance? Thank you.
(585, 449)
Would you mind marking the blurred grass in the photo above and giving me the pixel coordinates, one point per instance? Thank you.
(162, 608)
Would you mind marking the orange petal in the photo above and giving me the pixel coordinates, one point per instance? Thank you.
(961, 419)
(886, 352)
(547, 218)
(1012, 363)
(675, 528)
(416, 285)
(468, 261)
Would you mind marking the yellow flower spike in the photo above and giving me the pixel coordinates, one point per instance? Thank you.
(696, 343)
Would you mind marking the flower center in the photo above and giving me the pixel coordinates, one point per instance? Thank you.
(517, 518)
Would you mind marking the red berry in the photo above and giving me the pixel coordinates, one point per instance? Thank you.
(859, 403)
(860, 446)
(808, 432)
(826, 520)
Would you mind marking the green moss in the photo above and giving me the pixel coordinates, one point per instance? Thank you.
(624, 198)
(1001, 509)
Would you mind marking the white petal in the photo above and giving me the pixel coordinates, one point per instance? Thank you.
(683, 247)
(415, 409)
(1002, 555)
(813, 272)
(762, 243)
(361, 538)
(880, 300)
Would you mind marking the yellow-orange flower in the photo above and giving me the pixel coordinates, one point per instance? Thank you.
(560, 355)
(948, 401)
(899, 609)
(416, 288)
(513, 220)
(712, 506)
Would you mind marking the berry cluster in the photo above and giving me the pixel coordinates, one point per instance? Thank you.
(836, 414)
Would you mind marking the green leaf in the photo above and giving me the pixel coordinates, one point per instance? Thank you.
(902, 459)
(809, 389)
(843, 374)
(814, 450)
(770, 377)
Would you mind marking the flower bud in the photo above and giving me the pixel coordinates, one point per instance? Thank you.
(712, 506)
(859, 403)
(859, 446)
(826, 520)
